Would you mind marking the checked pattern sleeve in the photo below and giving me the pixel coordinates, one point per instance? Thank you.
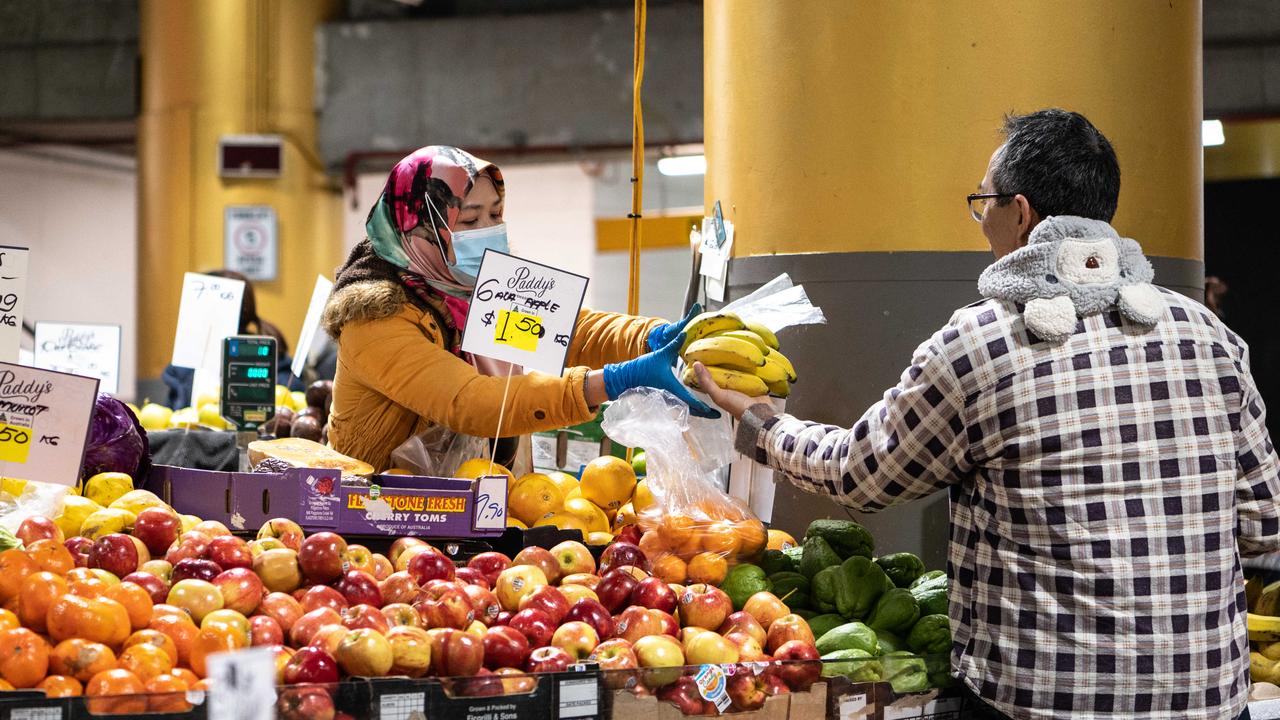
(909, 445)
(1258, 487)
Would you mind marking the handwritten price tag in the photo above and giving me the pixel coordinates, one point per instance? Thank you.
(13, 291)
(519, 330)
(15, 443)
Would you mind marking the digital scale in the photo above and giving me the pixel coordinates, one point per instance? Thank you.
(248, 380)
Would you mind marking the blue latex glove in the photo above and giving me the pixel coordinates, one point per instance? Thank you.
(663, 334)
(654, 370)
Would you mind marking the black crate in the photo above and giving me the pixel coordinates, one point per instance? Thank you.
(573, 695)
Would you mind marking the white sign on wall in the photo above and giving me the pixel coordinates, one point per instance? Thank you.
(249, 237)
(80, 349)
(13, 292)
(44, 423)
(523, 312)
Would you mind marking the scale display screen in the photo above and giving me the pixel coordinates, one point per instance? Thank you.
(248, 380)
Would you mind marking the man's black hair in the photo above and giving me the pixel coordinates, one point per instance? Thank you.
(1061, 163)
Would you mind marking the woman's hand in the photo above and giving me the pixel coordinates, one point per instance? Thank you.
(662, 335)
(652, 370)
(731, 401)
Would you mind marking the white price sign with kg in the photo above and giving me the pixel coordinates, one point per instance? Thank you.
(523, 312)
(44, 423)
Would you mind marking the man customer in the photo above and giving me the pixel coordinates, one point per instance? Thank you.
(1103, 444)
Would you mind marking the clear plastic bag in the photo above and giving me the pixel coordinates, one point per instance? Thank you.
(36, 498)
(437, 452)
(692, 531)
(778, 304)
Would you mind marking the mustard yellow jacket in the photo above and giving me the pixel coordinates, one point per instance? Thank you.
(396, 377)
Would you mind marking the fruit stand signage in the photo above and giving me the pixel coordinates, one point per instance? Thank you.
(44, 423)
(90, 350)
(13, 290)
(523, 312)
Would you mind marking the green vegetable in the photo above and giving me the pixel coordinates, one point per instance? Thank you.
(859, 584)
(931, 575)
(895, 611)
(931, 596)
(775, 561)
(8, 540)
(857, 665)
(939, 667)
(902, 568)
(890, 642)
(846, 537)
(742, 582)
(905, 672)
(795, 555)
(854, 635)
(822, 624)
(822, 590)
(817, 555)
(792, 588)
(931, 635)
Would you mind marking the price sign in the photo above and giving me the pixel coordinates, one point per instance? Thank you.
(44, 423)
(90, 350)
(13, 292)
(311, 324)
(491, 503)
(523, 312)
(209, 311)
(242, 685)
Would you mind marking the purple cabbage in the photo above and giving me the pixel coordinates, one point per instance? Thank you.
(117, 442)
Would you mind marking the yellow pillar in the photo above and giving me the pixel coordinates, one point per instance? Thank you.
(860, 125)
(212, 68)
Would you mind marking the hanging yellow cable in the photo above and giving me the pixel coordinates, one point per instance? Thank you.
(637, 161)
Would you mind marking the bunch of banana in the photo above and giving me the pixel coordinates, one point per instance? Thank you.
(742, 356)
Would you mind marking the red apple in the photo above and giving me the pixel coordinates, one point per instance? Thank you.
(615, 590)
(504, 647)
(288, 532)
(638, 573)
(365, 616)
(515, 681)
(305, 702)
(402, 560)
(683, 693)
(230, 551)
(484, 602)
(588, 581)
(749, 649)
(364, 652)
(360, 558)
(158, 589)
(144, 555)
(615, 654)
(662, 656)
(39, 527)
(594, 614)
(786, 629)
(629, 534)
(549, 600)
(747, 691)
(799, 664)
(548, 659)
(278, 570)
(162, 569)
(743, 622)
(359, 587)
(636, 622)
(399, 588)
(445, 606)
(504, 618)
(577, 638)
(765, 607)
(489, 564)
(190, 544)
(774, 685)
(264, 630)
(652, 592)
(329, 637)
(670, 626)
(402, 544)
(705, 606)
(574, 558)
(622, 553)
(410, 650)
(116, 554)
(515, 582)
(212, 528)
(431, 565)
(282, 608)
(321, 557)
(540, 558)
(471, 576)
(318, 596)
(306, 626)
(311, 665)
(157, 528)
(382, 567)
(710, 648)
(535, 625)
(398, 614)
(455, 653)
(195, 568)
(282, 655)
(79, 546)
(242, 590)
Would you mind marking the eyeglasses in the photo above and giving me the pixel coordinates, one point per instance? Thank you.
(978, 203)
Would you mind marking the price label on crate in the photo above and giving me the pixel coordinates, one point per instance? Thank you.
(523, 312)
(44, 423)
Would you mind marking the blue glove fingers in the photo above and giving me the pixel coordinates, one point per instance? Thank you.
(696, 407)
(662, 334)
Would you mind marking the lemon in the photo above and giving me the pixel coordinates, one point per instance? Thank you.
(562, 521)
(534, 496)
(626, 516)
(586, 512)
(106, 521)
(74, 511)
(643, 497)
(185, 419)
(13, 486)
(599, 538)
(135, 501)
(563, 480)
(210, 415)
(608, 482)
(282, 396)
(154, 416)
(480, 467)
(512, 522)
(298, 400)
(204, 399)
(105, 488)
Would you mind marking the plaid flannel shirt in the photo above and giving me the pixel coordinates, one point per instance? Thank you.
(1102, 493)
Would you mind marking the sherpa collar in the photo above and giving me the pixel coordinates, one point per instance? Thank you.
(1074, 267)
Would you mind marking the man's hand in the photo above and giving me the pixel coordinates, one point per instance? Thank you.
(731, 401)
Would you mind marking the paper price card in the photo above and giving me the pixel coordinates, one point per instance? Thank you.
(209, 311)
(89, 350)
(311, 324)
(242, 685)
(13, 292)
(44, 423)
(523, 312)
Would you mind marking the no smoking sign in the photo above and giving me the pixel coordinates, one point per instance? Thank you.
(250, 240)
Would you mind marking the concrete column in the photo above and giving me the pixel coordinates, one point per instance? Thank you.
(842, 137)
(212, 69)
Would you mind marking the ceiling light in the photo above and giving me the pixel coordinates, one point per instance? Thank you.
(1211, 132)
(683, 165)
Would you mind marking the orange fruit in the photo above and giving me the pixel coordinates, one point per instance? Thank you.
(720, 537)
(87, 588)
(708, 568)
(565, 482)
(8, 620)
(677, 529)
(642, 499)
(98, 619)
(591, 516)
(24, 657)
(145, 661)
(60, 686)
(670, 568)
(211, 640)
(534, 497)
(15, 566)
(179, 629)
(116, 692)
(154, 638)
(608, 481)
(186, 676)
(136, 601)
(751, 537)
(652, 544)
(480, 467)
(80, 659)
(51, 555)
(39, 591)
(779, 540)
(167, 694)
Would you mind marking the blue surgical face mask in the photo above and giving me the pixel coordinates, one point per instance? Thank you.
(469, 247)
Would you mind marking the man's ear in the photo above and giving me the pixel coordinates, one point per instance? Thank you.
(1028, 218)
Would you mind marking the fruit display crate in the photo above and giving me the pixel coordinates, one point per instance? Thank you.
(293, 702)
(317, 499)
(851, 700)
(791, 690)
(575, 694)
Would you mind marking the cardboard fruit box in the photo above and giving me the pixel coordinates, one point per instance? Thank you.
(708, 691)
(317, 499)
(572, 695)
(850, 700)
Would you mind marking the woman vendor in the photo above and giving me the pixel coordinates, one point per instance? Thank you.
(400, 304)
